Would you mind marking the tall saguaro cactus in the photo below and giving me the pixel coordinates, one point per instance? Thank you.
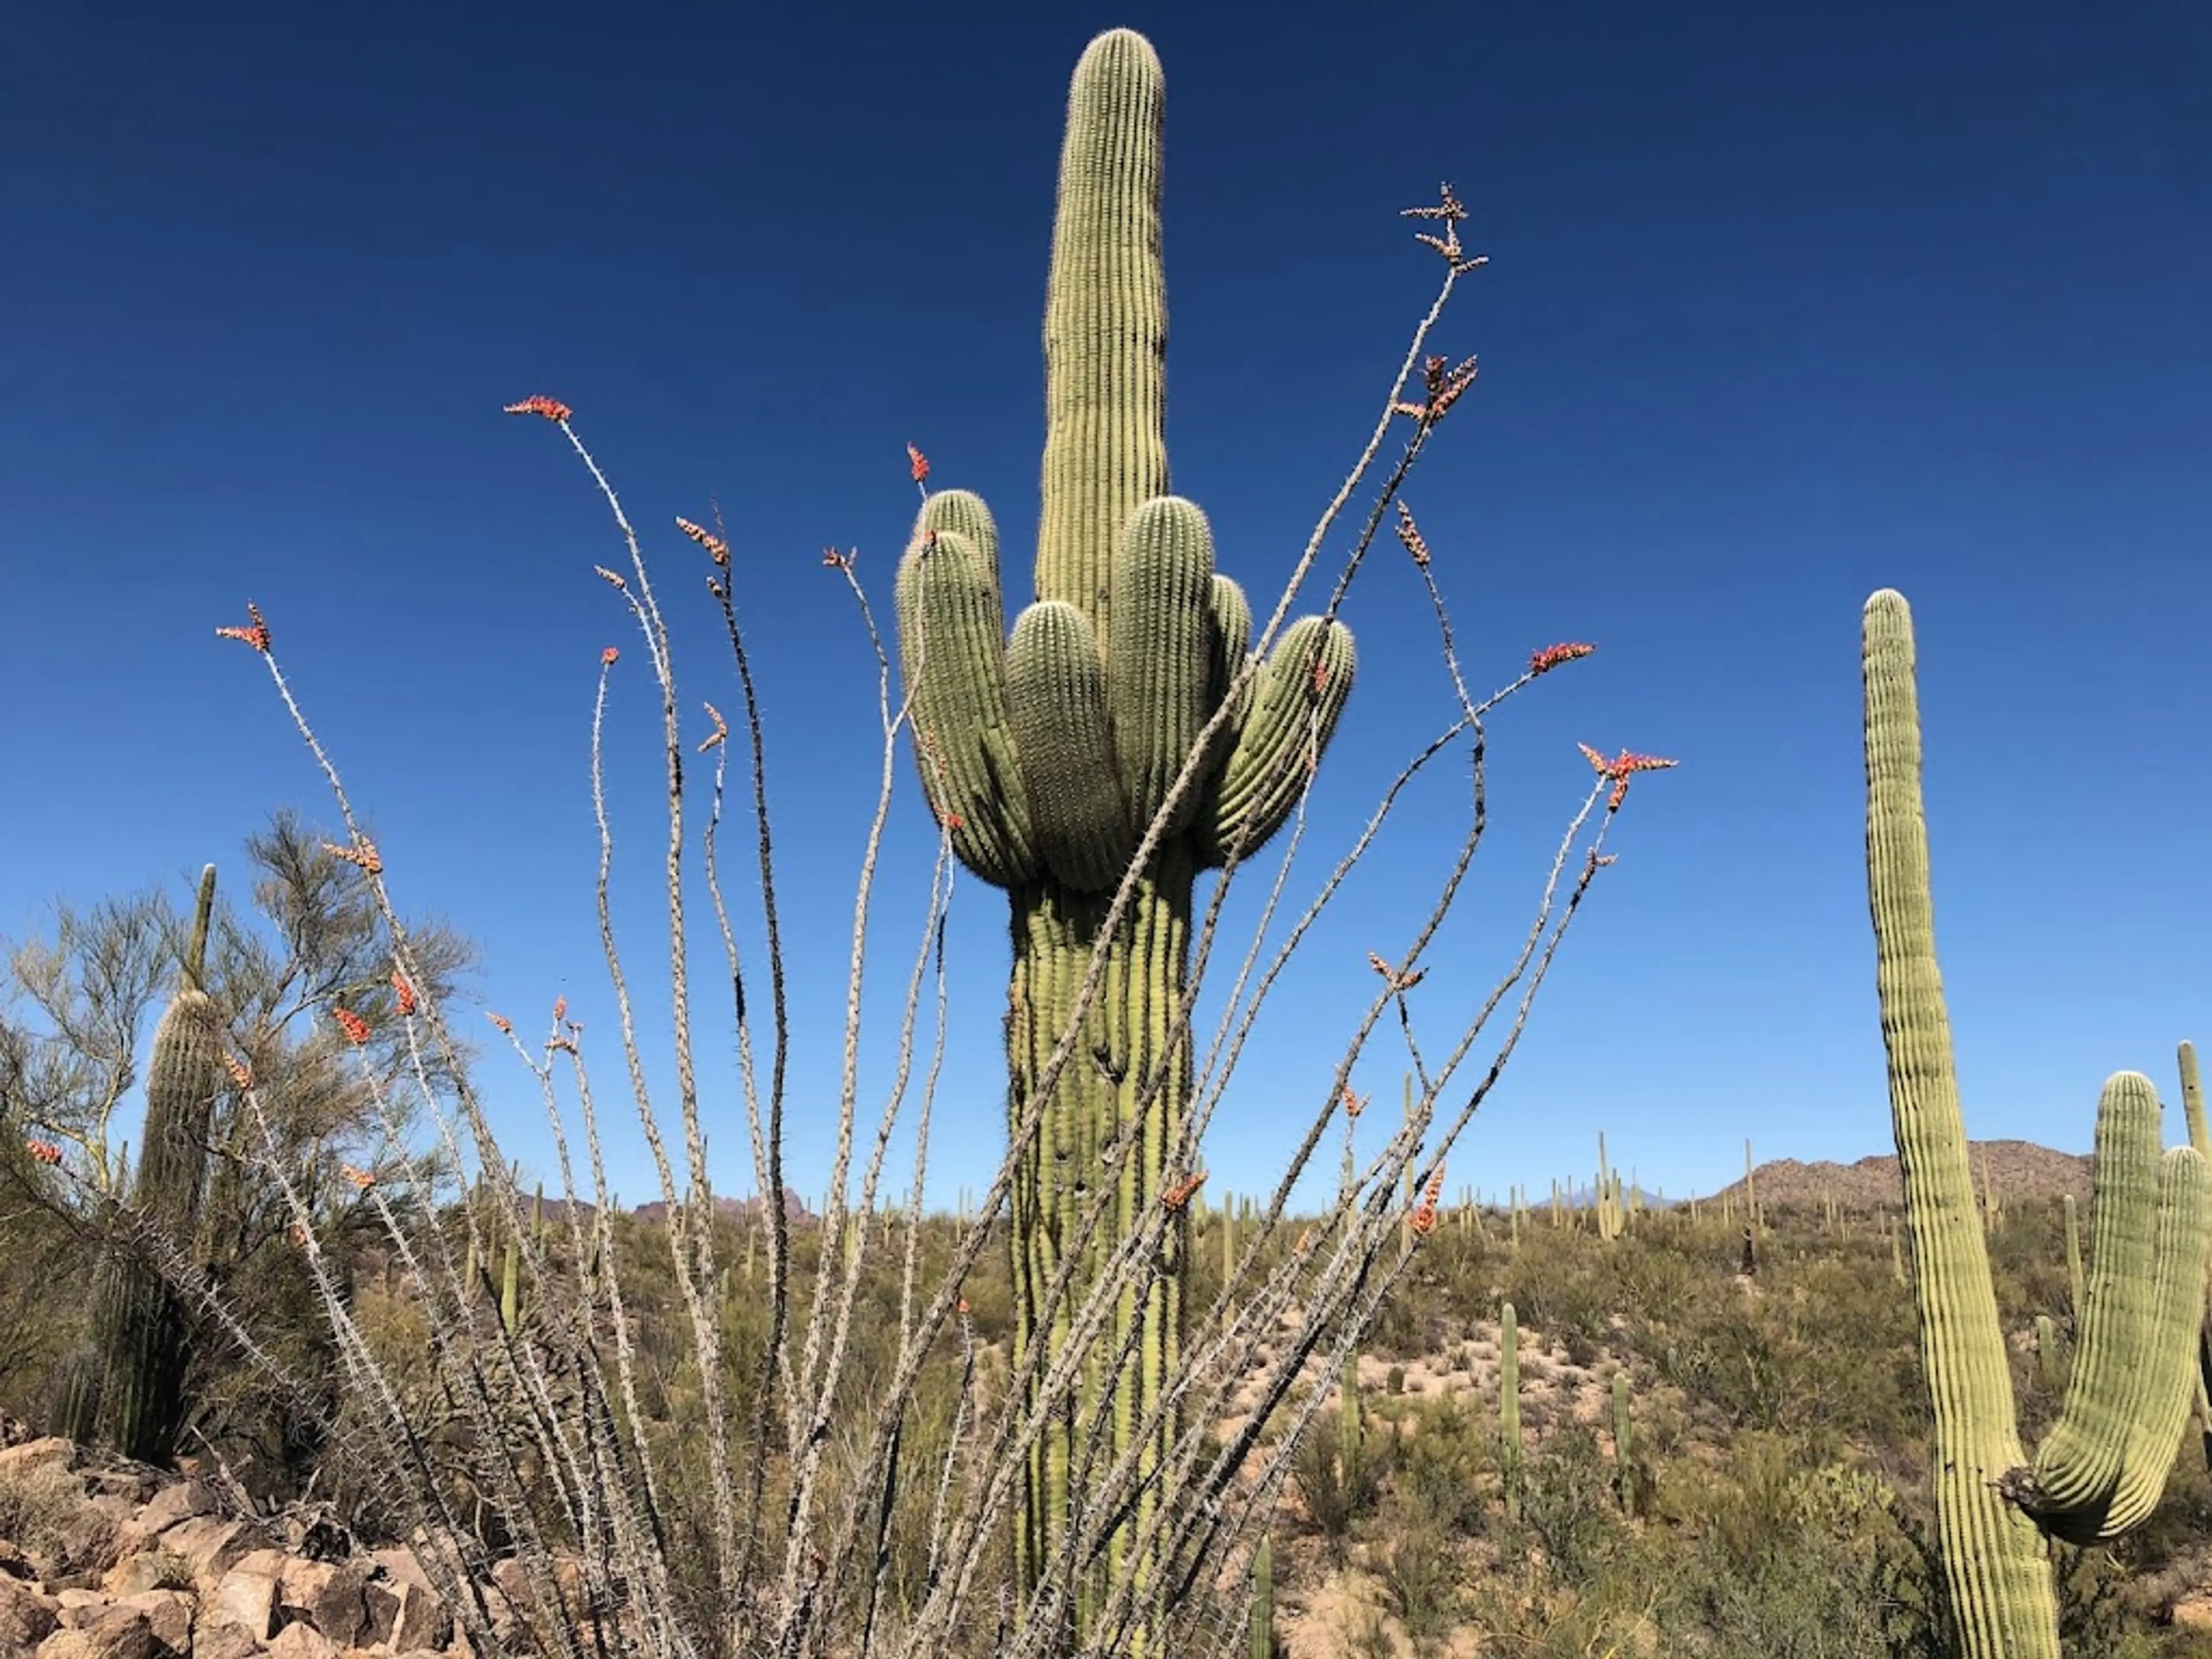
(1047, 758)
(2100, 1471)
(135, 1383)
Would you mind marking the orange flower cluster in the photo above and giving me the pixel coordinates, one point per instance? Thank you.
(43, 1152)
(257, 636)
(1423, 1220)
(1621, 768)
(361, 1179)
(1179, 1195)
(1354, 1105)
(834, 560)
(362, 856)
(1544, 661)
(717, 548)
(240, 1072)
(1410, 534)
(1444, 384)
(355, 1027)
(918, 464)
(506, 1025)
(612, 578)
(1451, 212)
(1392, 977)
(721, 729)
(607, 657)
(403, 992)
(560, 1008)
(551, 408)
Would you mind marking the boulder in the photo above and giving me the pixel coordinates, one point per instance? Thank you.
(27, 1616)
(326, 1595)
(51, 1453)
(209, 1546)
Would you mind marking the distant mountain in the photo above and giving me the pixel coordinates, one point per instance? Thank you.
(733, 1209)
(2016, 1169)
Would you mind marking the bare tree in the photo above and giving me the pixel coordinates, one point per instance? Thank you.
(71, 1040)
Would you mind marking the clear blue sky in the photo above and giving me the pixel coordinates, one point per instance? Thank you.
(1786, 304)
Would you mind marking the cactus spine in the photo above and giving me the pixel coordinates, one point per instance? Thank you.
(2102, 1468)
(140, 1324)
(1047, 758)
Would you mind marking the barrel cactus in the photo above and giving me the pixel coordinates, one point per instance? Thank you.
(2100, 1471)
(1055, 761)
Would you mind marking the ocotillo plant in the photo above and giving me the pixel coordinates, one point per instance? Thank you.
(1092, 766)
(139, 1321)
(2102, 1468)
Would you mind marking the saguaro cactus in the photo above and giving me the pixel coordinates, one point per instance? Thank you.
(2101, 1469)
(139, 1323)
(1509, 1408)
(1047, 758)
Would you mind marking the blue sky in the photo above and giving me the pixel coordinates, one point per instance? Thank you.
(1785, 304)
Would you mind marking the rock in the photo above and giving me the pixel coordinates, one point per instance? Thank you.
(169, 1615)
(327, 1596)
(218, 1638)
(27, 1616)
(301, 1642)
(78, 1607)
(13, 1564)
(401, 1616)
(119, 1633)
(146, 1571)
(211, 1548)
(246, 1595)
(168, 1506)
(51, 1453)
(401, 1563)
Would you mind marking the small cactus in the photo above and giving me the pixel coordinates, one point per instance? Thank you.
(1263, 1601)
(1509, 1408)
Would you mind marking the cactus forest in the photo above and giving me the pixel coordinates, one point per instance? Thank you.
(326, 1322)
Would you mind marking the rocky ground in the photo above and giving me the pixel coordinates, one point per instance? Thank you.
(102, 1560)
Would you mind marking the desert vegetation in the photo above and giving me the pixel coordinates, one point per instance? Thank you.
(1105, 1408)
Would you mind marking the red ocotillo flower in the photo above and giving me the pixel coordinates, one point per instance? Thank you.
(918, 464)
(355, 1027)
(1544, 661)
(257, 636)
(607, 657)
(717, 548)
(551, 408)
(1179, 1195)
(403, 992)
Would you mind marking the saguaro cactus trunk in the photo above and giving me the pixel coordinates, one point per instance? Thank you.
(141, 1328)
(1047, 758)
(2100, 1472)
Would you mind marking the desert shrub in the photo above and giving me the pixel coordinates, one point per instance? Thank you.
(1567, 1504)
(1419, 1574)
